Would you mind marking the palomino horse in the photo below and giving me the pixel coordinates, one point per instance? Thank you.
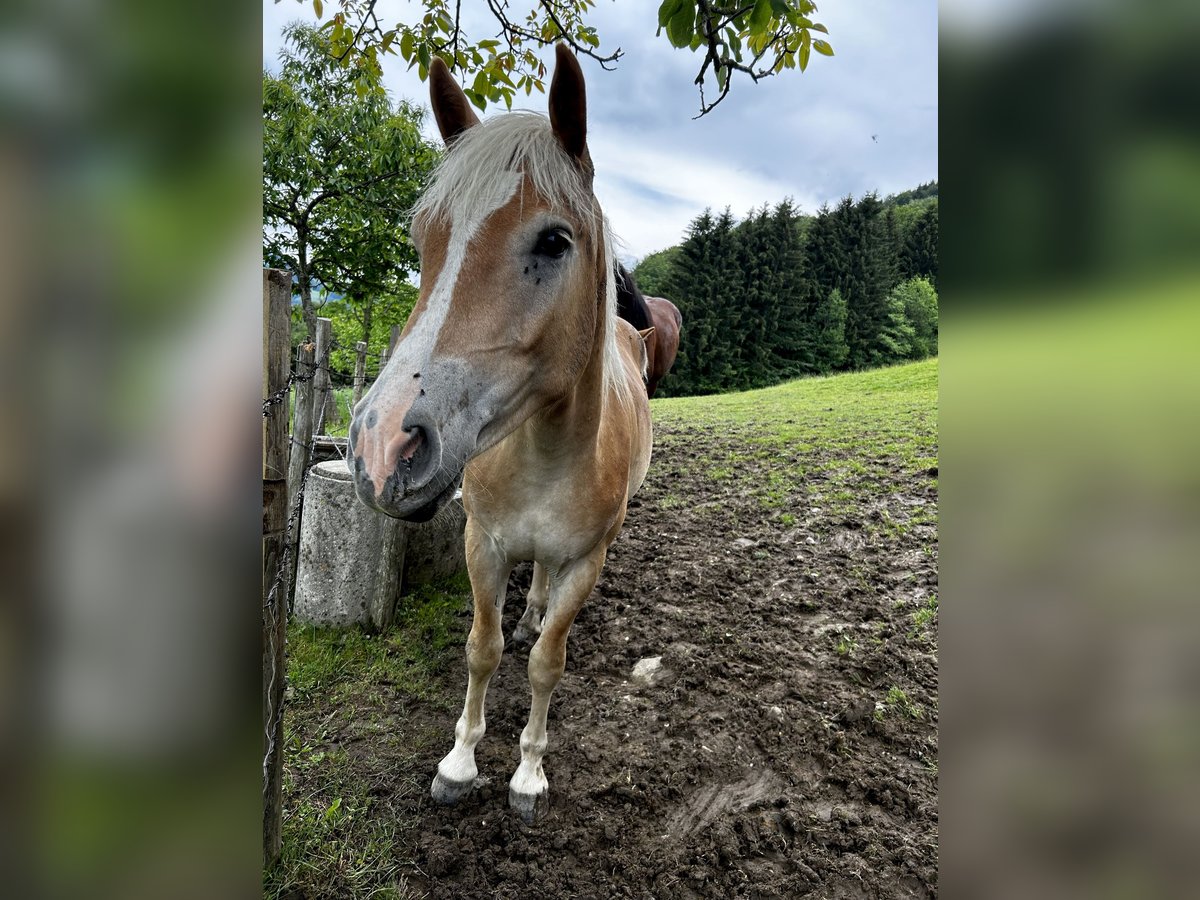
(514, 373)
(657, 313)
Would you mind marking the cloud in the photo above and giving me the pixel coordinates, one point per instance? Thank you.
(807, 136)
(651, 192)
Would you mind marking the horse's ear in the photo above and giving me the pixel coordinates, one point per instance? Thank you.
(568, 103)
(451, 107)
(646, 332)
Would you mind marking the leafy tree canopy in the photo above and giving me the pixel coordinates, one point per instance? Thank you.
(924, 191)
(341, 168)
(746, 39)
(653, 271)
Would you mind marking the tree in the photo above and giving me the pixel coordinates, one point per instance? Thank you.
(829, 332)
(703, 284)
(920, 303)
(790, 337)
(919, 255)
(341, 167)
(754, 39)
(350, 326)
(894, 340)
(864, 270)
(653, 272)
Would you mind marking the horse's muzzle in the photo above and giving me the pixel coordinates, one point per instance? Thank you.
(400, 473)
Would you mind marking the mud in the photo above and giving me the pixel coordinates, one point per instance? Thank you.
(788, 745)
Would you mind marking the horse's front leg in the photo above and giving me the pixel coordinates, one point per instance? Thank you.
(528, 792)
(489, 572)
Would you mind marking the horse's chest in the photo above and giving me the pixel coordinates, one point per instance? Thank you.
(543, 521)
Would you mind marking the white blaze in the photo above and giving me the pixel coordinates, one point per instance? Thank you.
(418, 344)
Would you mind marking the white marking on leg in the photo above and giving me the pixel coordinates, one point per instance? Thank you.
(485, 646)
(530, 779)
(458, 766)
(547, 660)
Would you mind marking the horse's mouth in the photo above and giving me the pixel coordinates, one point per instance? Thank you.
(427, 511)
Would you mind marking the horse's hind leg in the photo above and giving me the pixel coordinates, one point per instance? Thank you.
(489, 582)
(530, 625)
(528, 790)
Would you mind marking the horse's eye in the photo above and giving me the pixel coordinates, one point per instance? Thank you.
(552, 243)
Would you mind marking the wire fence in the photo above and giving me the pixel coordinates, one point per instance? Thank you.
(291, 431)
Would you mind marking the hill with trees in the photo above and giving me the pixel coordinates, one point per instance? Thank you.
(781, 294)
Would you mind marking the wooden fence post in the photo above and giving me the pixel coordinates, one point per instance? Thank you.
(301, 453)
(321, 385)
(277, 302)
(360, 370)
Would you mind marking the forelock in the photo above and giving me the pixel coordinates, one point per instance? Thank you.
(517, 142)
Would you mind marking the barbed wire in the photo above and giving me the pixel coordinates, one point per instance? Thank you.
(280, 583)
(278, 396)
(294, 377)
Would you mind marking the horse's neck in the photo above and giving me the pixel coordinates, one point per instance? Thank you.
(572, 423)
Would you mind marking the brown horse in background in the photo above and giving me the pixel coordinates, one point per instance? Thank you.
(658, 313)
(663, 342)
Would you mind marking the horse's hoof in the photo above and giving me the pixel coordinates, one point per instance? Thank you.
(446, 792)
(530, 807)
(523, 637)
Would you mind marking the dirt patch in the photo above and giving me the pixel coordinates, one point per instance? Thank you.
(788, 747)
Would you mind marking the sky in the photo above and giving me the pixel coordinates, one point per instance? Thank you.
(862, 120)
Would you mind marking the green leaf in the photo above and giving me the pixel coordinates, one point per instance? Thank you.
(760, 16)
(406, 45)
(425, 57)
(696, 41)
(667, 11)
(823, 48)
(805, 50)
(477, 99)
(817, 26)
(779, 7)
(318, 8)
(681, 28)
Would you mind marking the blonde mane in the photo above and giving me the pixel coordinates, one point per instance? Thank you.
(523, 142)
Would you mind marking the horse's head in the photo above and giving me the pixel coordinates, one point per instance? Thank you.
(514, 296)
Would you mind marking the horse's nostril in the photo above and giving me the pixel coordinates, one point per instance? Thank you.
(409, 449)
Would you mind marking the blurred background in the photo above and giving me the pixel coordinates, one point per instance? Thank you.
(129, 239)
(1070, 409)
(130, 245)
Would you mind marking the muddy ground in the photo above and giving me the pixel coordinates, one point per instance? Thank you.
(789, 748)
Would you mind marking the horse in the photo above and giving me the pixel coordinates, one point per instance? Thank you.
(515, 375)
(663, 342)
(655, 313)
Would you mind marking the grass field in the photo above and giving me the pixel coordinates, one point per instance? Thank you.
(802, 464)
